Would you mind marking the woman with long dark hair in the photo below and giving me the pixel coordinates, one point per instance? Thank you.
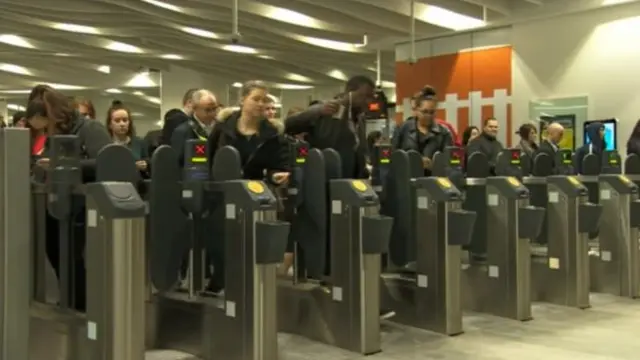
(119, 123)
(528, 139)
(469, 134)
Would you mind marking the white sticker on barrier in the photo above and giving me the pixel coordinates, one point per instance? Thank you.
(230, 309)
(92, 218)
(423, 281)
(494, 271)
(554, 197)
(336, 293)
(187, 194)
(554, 263)
(336, 207)
(423, 202)
(92, 330)
(492, 199)
(230, 211)
(605, 194)
(605, 255)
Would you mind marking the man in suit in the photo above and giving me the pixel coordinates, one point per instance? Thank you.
(551, 144)
(174, 117)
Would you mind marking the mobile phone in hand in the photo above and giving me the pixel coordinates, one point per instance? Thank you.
(340, 113)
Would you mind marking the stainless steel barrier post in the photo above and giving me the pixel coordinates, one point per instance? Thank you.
(15, 243)
(116, 272)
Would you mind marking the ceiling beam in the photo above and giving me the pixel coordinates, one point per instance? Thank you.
(501, 6)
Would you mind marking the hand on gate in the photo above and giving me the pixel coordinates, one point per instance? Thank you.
(426, 163)
(280, 177)
(43, 163)
(141, 165)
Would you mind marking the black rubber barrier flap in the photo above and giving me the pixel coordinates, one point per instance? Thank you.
(460, 226)
(226, 165)
(589, 217)
(591, 165)
(542, 165)
(168, 240)
(309, 227)
(376, 232)
(400, 206)
(333, 164)
(632, 164)
(116, 163)
(634, 214)
(416, 169)
(271, 241)
(477, 165)
(530, 220)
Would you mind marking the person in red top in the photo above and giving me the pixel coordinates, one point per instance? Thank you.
(38, 127)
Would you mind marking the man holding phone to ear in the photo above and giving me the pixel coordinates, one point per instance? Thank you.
(339, 124)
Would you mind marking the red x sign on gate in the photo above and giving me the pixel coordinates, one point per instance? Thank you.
(200, 149)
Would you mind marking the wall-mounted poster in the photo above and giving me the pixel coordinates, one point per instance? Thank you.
(569, 124)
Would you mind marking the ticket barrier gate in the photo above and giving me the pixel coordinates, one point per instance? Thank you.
(380, 162)
(243, 325)
(114, 220)
(503, 286)
(346, 312)
(632, 168)
(298, 156)
(429, 298)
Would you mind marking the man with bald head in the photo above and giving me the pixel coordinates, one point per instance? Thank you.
(199, 125)
(551, 144)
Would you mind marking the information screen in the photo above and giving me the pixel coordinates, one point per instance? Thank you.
(612, 158)
(385, 156)
(515, 157)
(566, 157)
(199, 153)
(610, 133)
(301, 155)
(456, 157)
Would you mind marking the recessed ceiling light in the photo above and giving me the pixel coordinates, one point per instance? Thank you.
(200, 32)
(330, 44)
(388, 84)
(160, 123)
(66, 87)
(266, 57)
(291, 17)
(337, 74)
(83, 29)
(16, 40)
(62, 54)
(16, 107)
(138, 93)
(26, 91)
(237, 85)
(137, 114)
(153, 99)
(445, 18)
(141, 80)
(293, 87)
(163, 5)
(114, 91)
(296, 77)
(371, 68)
(104, 69)
(15, 69)
(172, 57)
(122, 47)
(240, 49)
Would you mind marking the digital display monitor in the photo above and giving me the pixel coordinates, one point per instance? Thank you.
(301, 154)
(456, 157)
(612, 158)
(515, 157)
(385, 156)
(610, 133)
(566, 157)
(198, 153)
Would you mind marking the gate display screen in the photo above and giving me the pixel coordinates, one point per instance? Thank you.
(385, 156)
(515, 157)
(456, 157)
(566, 157)
(613, 159)
(199, 153)
(301, 155)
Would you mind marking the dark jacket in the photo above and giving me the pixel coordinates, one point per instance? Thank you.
(596, 146)
(326, 132)
(188, 130)
(548, 149)
(633, 145)
(406, 137)
(270, 156)
(153, 141)
(172, 119)
(487, 145)
(139, 148)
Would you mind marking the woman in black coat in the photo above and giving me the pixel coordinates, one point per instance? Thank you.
(633, 144)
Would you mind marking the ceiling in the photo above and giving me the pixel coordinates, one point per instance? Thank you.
(90, 46)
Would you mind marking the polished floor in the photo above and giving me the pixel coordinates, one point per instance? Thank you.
(607, 331)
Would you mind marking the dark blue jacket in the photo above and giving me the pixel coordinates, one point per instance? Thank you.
(596, 146)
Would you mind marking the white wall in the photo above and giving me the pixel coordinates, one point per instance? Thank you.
(594, 53)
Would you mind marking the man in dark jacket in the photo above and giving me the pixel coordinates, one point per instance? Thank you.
(596, 145)
(339, 124)
(487, 143)
(197, 126)
(551, 144)
(174, 117)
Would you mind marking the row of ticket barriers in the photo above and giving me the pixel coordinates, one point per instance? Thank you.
(396, 243)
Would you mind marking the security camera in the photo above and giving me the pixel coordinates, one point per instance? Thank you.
(412, 60)
(235, 38)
